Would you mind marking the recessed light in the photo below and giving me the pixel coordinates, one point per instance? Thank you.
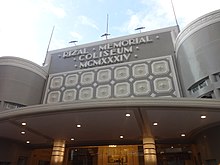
(121, 137)
(27, 141)
(78, 125)
(72, 139)
(203, 116)
(155, 123)
(183, 134)
(23, 123)
(128, 115)
(112, 146)
(22, 132)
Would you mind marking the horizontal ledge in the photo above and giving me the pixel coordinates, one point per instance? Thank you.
(185, 104)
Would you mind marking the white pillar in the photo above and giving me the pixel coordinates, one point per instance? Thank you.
(58, 152)
(150, 157)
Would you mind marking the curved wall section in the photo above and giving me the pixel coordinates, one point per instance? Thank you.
(197, 50)
(21, 82)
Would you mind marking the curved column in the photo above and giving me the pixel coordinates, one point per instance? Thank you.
(197, 51)
(58, 152)
(150, 157)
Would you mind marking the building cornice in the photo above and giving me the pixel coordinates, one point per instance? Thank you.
(152, 32)
(177, 104)
(196, 25)
(24, 64)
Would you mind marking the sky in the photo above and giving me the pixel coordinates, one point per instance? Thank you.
(26, 25)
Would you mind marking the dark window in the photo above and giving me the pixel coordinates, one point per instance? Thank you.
(208, 96)
(10, 105)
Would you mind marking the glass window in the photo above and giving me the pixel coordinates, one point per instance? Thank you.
(203, 84)
(10, 105)
(208, 95)
(195, 89)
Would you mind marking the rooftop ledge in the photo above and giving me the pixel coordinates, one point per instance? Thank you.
(23, 63)
(196, 25)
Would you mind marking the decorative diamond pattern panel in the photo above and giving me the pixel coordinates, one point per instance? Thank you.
(104, 75)
(121, 73)
(140, 70)
(69, 95)
(56, 82)
(160, 67)
(86, 93)
(122, 89)
(71, 80)
(54, 97)
(142, 87)
(153, 77)
(163, 85)
(87, 78)
(103, 91)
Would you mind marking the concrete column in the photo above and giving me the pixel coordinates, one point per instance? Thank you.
(150, 157)
(58, 152)
(216, 91)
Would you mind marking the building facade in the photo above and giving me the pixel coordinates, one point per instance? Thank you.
(147, 98)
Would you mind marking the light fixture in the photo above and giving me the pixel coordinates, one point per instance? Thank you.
(183, 135)
(23, 123)
(74, 42)
(27, 141)
(72, 139)
(203, 116)
(22, 132)
(127, 114)
(155, 123)
(78, 126)
(140, 28)
(112, 146)
(121, 137)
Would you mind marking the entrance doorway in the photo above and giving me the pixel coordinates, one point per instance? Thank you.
(108, 155)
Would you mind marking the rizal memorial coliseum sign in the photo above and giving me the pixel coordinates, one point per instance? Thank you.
(106, 54)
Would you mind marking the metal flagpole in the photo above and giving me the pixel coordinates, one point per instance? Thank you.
(49, 45)
(106, 34)
(175, 16)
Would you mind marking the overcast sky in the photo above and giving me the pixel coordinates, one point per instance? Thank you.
(26, 25)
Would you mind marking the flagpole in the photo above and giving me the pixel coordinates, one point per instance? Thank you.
(106, 34)
(174, 13)
(49, 45)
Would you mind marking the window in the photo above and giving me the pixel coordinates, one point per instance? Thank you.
(199, 85)
(203, 84)
(208, 95)
(10, 105)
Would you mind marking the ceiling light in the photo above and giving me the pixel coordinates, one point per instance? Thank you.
(112, 146)
(155, 123)
(23, 123)
(183, 134)
(121, 137)
(27, 141)
(78, 125)
(128, 115)
(203, 116)
(22, 132)
(72, 139)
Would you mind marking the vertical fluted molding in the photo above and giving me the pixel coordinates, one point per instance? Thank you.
(150, 157)
(58, 152)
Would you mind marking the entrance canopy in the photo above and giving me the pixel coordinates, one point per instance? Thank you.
(116, 121)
